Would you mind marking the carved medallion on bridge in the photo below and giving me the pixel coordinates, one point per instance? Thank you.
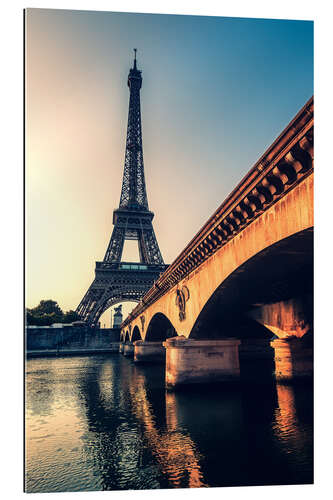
(181, 298)
(142, 319)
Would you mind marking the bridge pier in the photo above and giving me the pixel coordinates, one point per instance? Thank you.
(128, 349)
(121, 347)
(149, 352)
(200, 361)
(293, 359)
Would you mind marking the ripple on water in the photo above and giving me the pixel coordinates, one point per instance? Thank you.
(87, 431)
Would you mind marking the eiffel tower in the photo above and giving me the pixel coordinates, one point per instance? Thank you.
(116, 281)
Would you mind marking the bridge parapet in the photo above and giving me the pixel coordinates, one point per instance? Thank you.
(284, 165)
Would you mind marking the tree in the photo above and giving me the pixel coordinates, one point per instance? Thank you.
(30, 317)
(48, 312)
(48, 307)
(71, 316)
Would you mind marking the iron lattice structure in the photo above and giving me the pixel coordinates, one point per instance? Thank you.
(116, 281)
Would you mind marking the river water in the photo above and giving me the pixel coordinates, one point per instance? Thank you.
(103, 423)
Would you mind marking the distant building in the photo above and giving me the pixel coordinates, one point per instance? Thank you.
(117, 317)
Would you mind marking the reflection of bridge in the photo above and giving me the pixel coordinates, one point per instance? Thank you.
(246, 273)
(173, 448)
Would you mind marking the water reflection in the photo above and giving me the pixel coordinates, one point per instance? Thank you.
(173, 448)
(113, 439)
(291, 425)
(103, 423)
(54, 460)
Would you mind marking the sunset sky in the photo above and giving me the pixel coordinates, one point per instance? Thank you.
(216, 93)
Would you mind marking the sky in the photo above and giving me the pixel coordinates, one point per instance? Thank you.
(216, 92)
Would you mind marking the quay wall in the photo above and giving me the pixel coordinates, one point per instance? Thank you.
(71, 339)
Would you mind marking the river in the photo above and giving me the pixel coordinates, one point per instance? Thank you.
(103, 423)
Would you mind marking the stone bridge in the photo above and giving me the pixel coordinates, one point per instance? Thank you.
(243, 286)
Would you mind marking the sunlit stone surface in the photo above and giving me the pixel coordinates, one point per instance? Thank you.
(149, 352)
(293, 359)
(200, 361)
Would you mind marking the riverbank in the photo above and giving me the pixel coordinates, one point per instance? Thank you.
(36, 353)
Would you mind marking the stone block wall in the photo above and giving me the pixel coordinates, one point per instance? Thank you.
(70, 337)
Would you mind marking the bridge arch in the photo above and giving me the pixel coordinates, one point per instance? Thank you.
(160, 328)
(127, 336)
(136, 335)
(252, 300)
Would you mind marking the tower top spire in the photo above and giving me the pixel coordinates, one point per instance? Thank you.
(134, 76)
(135, 58)
(133, 191)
